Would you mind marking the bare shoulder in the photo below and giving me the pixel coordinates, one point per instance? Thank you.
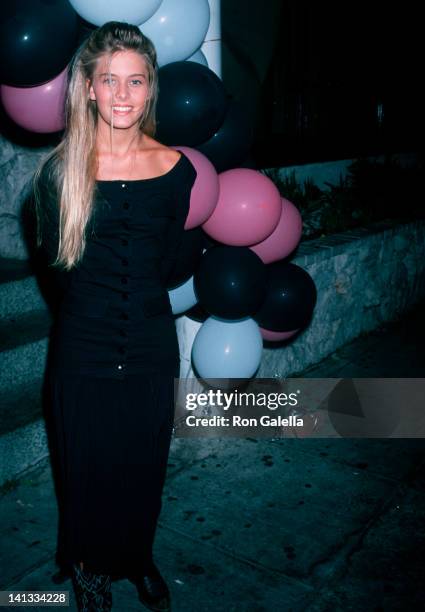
(167, 158)
(162, 158)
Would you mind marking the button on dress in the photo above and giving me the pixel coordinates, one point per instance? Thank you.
(113, 358)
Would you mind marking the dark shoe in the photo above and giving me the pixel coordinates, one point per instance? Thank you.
(153, 590)
(92, 591)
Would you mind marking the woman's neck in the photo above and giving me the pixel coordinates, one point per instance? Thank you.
(123, 142)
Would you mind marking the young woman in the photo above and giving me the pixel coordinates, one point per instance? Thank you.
(111, 206)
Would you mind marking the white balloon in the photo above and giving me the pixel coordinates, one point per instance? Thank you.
(183, 297)
(178, 29)
(198, 58)
(227, 349)
(99, 12)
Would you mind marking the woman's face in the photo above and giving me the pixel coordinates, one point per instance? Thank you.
(122, 94)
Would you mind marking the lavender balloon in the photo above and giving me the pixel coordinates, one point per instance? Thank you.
(285, 238)
(37, 109)
(248, 208)
(227, 349)
(205, 191)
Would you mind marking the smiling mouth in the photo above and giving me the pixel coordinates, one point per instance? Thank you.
(122, 109)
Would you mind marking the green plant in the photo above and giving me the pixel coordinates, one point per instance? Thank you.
(342, 208)
(304, 195)
(371, 191)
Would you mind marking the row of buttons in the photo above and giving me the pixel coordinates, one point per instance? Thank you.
(124, 280)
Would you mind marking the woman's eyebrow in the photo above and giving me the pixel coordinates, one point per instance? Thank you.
(130, 75)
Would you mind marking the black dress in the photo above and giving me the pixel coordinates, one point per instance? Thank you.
(113, 357)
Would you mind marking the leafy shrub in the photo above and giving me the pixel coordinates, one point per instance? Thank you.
(371, 191)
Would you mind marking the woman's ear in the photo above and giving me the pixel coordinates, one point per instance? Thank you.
(90, 90)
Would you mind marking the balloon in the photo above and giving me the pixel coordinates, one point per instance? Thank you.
(182, 297)
(205, 191)
(230, 282)
(197, 313)
(208, 242)
(187, 259)
(227, 349)
(130, 11)
(290, 298)
(191, 103)
(231, 144)
(272, 336)
(38, 109)
(248, 208)
(199, 58)
(37, 40)
(285, 237)
(177, 29)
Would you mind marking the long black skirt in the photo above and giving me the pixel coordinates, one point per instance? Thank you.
(112, 440)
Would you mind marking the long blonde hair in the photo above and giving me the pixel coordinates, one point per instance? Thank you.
(73, 162)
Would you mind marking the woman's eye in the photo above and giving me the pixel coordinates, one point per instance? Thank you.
(135, 82)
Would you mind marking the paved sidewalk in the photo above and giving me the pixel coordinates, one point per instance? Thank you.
(265, 525)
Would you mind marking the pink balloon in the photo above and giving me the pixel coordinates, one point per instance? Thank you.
(284, 238)
(205, 190)
(248, 208)
(273, 336)
(37, 109)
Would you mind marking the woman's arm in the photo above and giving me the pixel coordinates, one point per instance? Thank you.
(176, 232)
(46, 213)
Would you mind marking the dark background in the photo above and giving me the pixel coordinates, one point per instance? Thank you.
(325, 80)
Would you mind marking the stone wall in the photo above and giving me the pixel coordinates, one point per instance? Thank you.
(364, 278)
(17, 166)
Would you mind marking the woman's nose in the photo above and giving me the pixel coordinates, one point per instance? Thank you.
(121, 91)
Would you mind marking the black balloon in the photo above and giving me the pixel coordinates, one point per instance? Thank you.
(208, 241)
(231, 144)
(197, 313)
(230, 283)
(85, 29)
(37, 40)
(188, 257)
(290, 299)
(192, 103)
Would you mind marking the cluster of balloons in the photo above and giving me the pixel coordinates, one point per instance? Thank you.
(241, 285)
(34, 65)
(34, 60)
